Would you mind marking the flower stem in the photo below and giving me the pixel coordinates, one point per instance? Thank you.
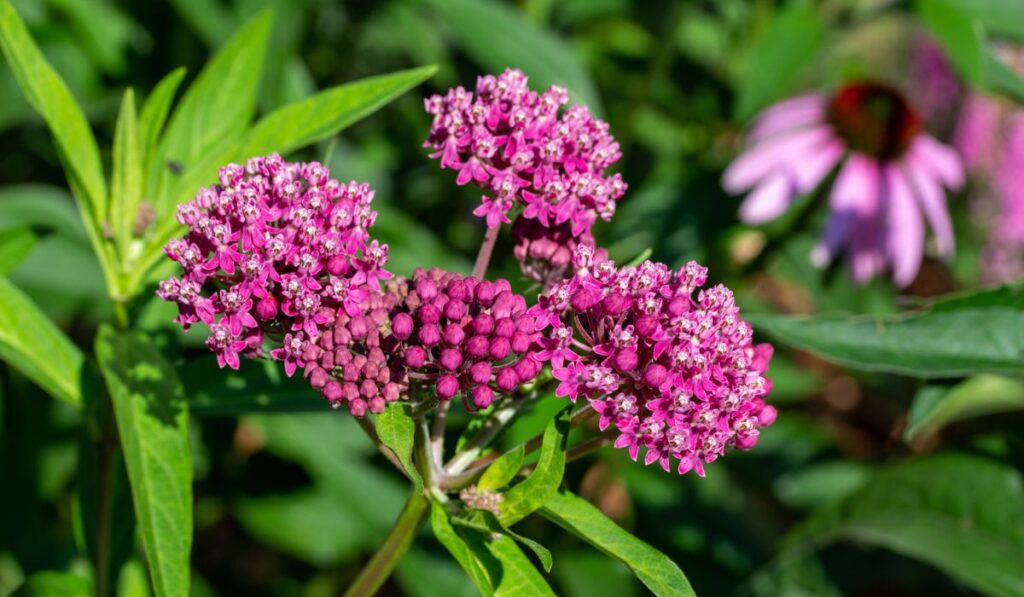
(401, 536)
(106, 446)
(483, 258)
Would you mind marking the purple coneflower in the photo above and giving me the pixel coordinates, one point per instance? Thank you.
(890, 176)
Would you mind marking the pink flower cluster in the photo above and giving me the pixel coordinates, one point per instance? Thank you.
(676, 375)
(272, 252)
(465, 335)
(515, 145)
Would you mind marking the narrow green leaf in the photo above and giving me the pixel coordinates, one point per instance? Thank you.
(503, 470)
(523, 499)
(786, 44)
(318, 117)
(55, 584)
(155, 110)
(962, 514)
(961, 335)
(126, 176)
(978, 396)
(49, 96)
(653, 568)
(1000, 78)
(456, 546)
(15, 245)
(543, 554)
(518, 43)
(214, 111)
(518, 574)
(959, 34)
(152, 421)
(132, 581)
(286, 129)
(32, 344)
(396, 428)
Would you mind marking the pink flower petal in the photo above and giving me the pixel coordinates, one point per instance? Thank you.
(790, 114)
(904, 229)
(854, 195)
(782, 151)
(818, 165)
(940, 159)
(768, 201)
(932, 199)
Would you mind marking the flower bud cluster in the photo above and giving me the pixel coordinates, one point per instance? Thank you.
(464, 335)
(514, 144)
(276, 248)
(677, 375)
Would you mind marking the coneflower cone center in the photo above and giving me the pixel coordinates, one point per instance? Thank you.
(873, 119)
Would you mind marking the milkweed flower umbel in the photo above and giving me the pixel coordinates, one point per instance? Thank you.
(527, 154)
(676, 374)
(891, 176)
(272, 252)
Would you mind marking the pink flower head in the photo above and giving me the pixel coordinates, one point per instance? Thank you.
(523, 151)
(676, 374)
(891, 176)
(271, 253)
(465, 335)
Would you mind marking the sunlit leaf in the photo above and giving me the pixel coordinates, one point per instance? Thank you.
(152, 421)
(127, 175)
(653, 568)
(503, 470)
(15, 244)
(396, 428)
(528, 496)
(978, 396)
(55, 584)
(154, 111)
(32, 344)
(446, 535)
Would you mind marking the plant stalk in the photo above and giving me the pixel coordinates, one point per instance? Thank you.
(401, 536)
(483, 258)
(106, 447)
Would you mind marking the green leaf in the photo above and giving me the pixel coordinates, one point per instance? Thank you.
(653, 568)
(518, 574)
(960, 35)
(284, 130)
(503, 470)
(307, 121)
(961, 335)
(518, 43)
(446, 578)
(15, 244)
(214, 111)
(978, 396)
(456, 546)
(962, 514)
(126, 178)
(396, 428)
(55, 584)
(132, 582)
(40, 206)
(49, 96)
(1004, 18)
(542, 553)
(786, 44)
(152, 421)
(155, 110)
(528, 496)
(33, 345)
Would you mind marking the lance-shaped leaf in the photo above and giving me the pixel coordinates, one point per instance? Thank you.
(959, 335)
(525, 498)
(15, 245)
(49, 96)
(503, 470)
(653, 568)
(32, 344)
(934, 407)
(396, 428)
(126, 179)
(152, 421)
(446, 535)
(962, 514)
(154, 112)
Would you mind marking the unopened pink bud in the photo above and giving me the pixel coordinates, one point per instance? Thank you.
(480, 372)
(482, 396)
(402, 326)
(447, 386)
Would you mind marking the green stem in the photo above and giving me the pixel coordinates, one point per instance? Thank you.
(106, 446)
(379, 568)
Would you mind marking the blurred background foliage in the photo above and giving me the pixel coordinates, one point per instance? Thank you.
(294, 503)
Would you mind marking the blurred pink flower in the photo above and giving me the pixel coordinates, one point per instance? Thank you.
(890, 176)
